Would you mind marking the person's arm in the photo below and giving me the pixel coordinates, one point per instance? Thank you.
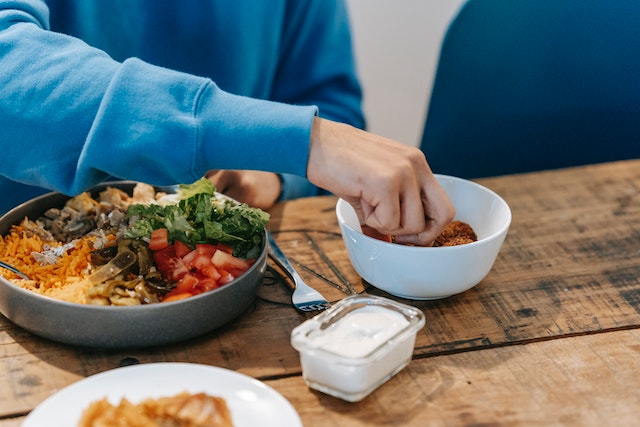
(89, 117)
(319, 57)
(316, 67)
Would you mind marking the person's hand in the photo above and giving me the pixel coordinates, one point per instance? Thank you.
(255, 188)
(389, 184)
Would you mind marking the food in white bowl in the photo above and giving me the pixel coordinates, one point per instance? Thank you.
(355, 346)
(423, 273)
(126, 305)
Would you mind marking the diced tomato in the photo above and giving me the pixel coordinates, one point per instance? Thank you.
(187, 283)
(159, 239)
(181, 248)
(176, 297)
(189, 257)
(199, 262)
(224, 247)
(234, 272)
(207, 284)
(204, 265)
(225, 277)
(198, 270)
(206, 249)
(211, 271)
(165, 260)
(179, 269)
(234, 265)
(169, 264)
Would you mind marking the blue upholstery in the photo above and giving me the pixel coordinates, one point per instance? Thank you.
(526, 85)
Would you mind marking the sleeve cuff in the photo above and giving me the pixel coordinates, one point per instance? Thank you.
(294, 187)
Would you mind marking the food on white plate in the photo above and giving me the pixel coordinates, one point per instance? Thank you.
(129, 250)
(182, 410)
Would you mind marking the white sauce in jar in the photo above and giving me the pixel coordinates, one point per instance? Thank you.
(360, 332)
(356, 345)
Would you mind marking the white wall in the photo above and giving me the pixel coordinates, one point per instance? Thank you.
(397, 44)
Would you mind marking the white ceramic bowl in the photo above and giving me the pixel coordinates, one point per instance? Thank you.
(432, 272)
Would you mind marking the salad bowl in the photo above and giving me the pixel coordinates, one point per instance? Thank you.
(136, 326)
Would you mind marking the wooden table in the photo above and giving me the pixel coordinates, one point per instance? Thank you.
(550, 337)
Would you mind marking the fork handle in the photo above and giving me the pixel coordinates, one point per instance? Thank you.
(280, 257)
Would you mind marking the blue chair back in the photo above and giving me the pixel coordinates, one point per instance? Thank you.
(525, 85)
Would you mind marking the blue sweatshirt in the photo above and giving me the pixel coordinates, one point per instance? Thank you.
(163, 91)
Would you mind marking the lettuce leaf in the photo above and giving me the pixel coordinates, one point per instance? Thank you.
(203, 185)
(202, 217)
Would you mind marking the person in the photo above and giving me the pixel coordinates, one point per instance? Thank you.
(259, 96)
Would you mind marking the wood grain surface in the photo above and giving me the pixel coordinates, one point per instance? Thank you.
(549, 337)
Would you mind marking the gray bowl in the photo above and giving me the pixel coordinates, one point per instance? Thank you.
(121, 327)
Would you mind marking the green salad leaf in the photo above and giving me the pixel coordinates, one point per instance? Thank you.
(200, 216)
(203, 185)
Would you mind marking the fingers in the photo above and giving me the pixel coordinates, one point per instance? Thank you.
(439, 211)
(423, 210)
(255, 188)
(397, 208)
(219, 179)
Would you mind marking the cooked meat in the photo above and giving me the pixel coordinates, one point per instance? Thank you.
(456, 233)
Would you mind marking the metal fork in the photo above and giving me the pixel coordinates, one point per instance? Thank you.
(14, 270)
(304, 298)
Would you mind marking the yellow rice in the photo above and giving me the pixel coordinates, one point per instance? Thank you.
(62, 280)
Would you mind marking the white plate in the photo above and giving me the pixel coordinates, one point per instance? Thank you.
(251, 402)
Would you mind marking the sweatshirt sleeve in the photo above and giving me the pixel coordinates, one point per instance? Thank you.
(318, 56)
(89, 117)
